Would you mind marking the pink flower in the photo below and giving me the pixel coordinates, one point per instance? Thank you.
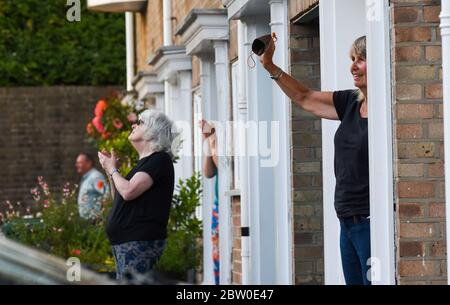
(132, 117)
(66, 190)
(117, 123)
(97, 122)
(43, 185)
(100, 108)
(76, 252)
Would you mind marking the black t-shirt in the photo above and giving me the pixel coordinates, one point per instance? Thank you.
(144, 218)
(351, 159)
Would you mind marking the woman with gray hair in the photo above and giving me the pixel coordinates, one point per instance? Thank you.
(137, 222)
(351, 163)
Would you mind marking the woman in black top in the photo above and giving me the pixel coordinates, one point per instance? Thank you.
(137, 222)
(351, 154)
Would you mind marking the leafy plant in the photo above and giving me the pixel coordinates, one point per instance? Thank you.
(184, 230)
(110, 128)
(53, 224)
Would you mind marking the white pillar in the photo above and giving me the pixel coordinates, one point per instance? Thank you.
(167, 22)
(242, 118)
(129, 29)
(261, 180)
(159, 103)
(209, 112)
(445, 33)
(380, 143)
(167, 97)
(282, 169)
(224, 146)
(167, 41)
(184, 115)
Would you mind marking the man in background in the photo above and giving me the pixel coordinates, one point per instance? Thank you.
(93, 187)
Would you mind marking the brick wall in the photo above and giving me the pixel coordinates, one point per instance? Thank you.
(149, 26)
(42, 131)
(236, 269)
(307, 159)
(298, 7)
(419, 151)
(148, 33)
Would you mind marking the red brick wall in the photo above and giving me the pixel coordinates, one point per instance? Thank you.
(42, 131)
(149, 26)
(307, 160)
(298, 7)
(418, 147)
(236, 271)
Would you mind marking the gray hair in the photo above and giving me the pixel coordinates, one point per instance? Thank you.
(159, 131)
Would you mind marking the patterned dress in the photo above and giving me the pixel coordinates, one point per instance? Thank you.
(215, 233)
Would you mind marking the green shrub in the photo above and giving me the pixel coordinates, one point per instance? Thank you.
(39, 46)
(183, 252)
(52, 224)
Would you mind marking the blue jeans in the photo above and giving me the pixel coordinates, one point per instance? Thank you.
(355, 249)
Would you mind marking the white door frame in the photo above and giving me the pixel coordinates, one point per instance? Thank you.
(380, 142)
(282, 171)
(340, 23)
(269, 198)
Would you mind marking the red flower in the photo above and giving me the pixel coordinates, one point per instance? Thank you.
(117, 123)
(105, 135)
(90, 128)
(76, 252)
(97, 122)
(100, 108)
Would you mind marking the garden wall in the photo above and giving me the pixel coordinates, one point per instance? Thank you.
(42, 129)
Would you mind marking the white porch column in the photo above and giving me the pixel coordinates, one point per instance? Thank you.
(261, 179)
(129, 29)
(167, 97)
(182, 110)
(282, 168)
(159, 104)
(445, 33)
(167, 22)
(380, 143)
(224, 147)
(242, 135)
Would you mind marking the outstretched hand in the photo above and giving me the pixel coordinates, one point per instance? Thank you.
(267, 58)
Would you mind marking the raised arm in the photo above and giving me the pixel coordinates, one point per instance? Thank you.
(316, 102)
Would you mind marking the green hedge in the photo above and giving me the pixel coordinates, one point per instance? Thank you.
(39, 46)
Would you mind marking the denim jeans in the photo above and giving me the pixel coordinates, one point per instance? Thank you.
(355, 249)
